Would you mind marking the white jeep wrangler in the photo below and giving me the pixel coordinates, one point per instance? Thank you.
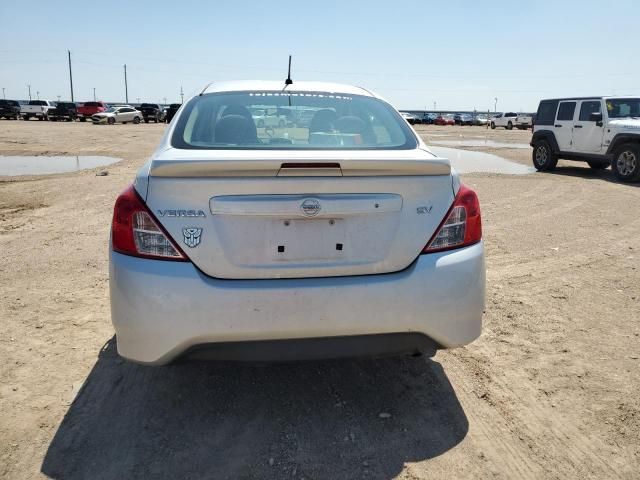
(601, 131)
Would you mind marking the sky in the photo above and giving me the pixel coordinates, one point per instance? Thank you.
(456, 55)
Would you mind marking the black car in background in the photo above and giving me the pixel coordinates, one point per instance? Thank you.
(151, 111)
(173, 108)
(9, 109)
(64, 111)
(428, 118)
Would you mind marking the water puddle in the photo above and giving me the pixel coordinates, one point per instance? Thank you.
(43, 165)
(479, 143)
(466, 161)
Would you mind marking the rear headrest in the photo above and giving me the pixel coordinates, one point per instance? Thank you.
(237, 110)
(353, 124)
(236, 129)
(323, 121)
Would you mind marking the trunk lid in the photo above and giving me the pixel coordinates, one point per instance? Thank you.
(299, 214)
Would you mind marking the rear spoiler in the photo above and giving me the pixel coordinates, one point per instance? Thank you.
(279, 168)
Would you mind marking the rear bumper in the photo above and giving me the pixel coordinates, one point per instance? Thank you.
(162, 309)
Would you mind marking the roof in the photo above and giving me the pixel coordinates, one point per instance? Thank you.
(265, 85)
(593, 97)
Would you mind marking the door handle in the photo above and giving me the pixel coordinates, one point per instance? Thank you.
(557, 126)
(577, 126)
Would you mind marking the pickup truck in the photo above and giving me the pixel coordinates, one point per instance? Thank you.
(67, 111)
(37, 108)
(151, 111)
(87, 109)
(9, 109)
(509, 120)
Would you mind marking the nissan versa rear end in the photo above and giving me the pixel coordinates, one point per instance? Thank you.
(330, 230)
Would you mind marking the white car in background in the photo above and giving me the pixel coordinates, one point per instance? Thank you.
(340, 236)
(118, 114)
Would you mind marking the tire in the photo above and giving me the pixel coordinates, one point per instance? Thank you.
(626, 162)
(493, 126)
(136, 120)
(146, 120)
(599, 165)
(83, 119)
(509, 126)
(40, 118)
(111, 120)
(544, 159)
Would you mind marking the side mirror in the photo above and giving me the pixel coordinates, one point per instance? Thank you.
(596, 117)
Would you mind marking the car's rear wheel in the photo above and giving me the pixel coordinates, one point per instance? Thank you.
(146, 120)
(83, 119)
(509, 126)
(543, 157)
(626, 162)
(111, 120)
(493, 126)
(136, 120)
(598, 165)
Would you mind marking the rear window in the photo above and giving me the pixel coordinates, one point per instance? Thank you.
(587, 108)
(92, 104)
(290, 120)
(37, 102)
(149, 105)
(566, 110)
(546, 112)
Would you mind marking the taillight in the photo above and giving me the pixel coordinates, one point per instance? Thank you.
(462, 225)
(135, 231)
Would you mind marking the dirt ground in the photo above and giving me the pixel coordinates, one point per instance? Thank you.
(550, 390)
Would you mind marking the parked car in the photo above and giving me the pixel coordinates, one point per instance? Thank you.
(480, 120)
(36, 108)
(273, 118)
(64, 111)
(88, 109)
(444, 120)
(409, 117)
(151, 112)
(428, 118)
(173, 108)
(601, 131)
(463, 119)
(9, 109)
(242, 243)
(118, 114)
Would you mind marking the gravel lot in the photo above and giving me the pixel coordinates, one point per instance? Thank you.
(550, 390)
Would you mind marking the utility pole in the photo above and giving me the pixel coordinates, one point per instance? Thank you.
(94, 94)
(434, 107)
(495, 105)
(70, 75)
(58, 98)
(163, 98)
(181, 95)
(138, 99)
(29, 87)
(126, 88)
(3, 93)
(38, 94)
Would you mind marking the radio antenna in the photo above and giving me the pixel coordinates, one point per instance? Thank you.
(288, 81)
